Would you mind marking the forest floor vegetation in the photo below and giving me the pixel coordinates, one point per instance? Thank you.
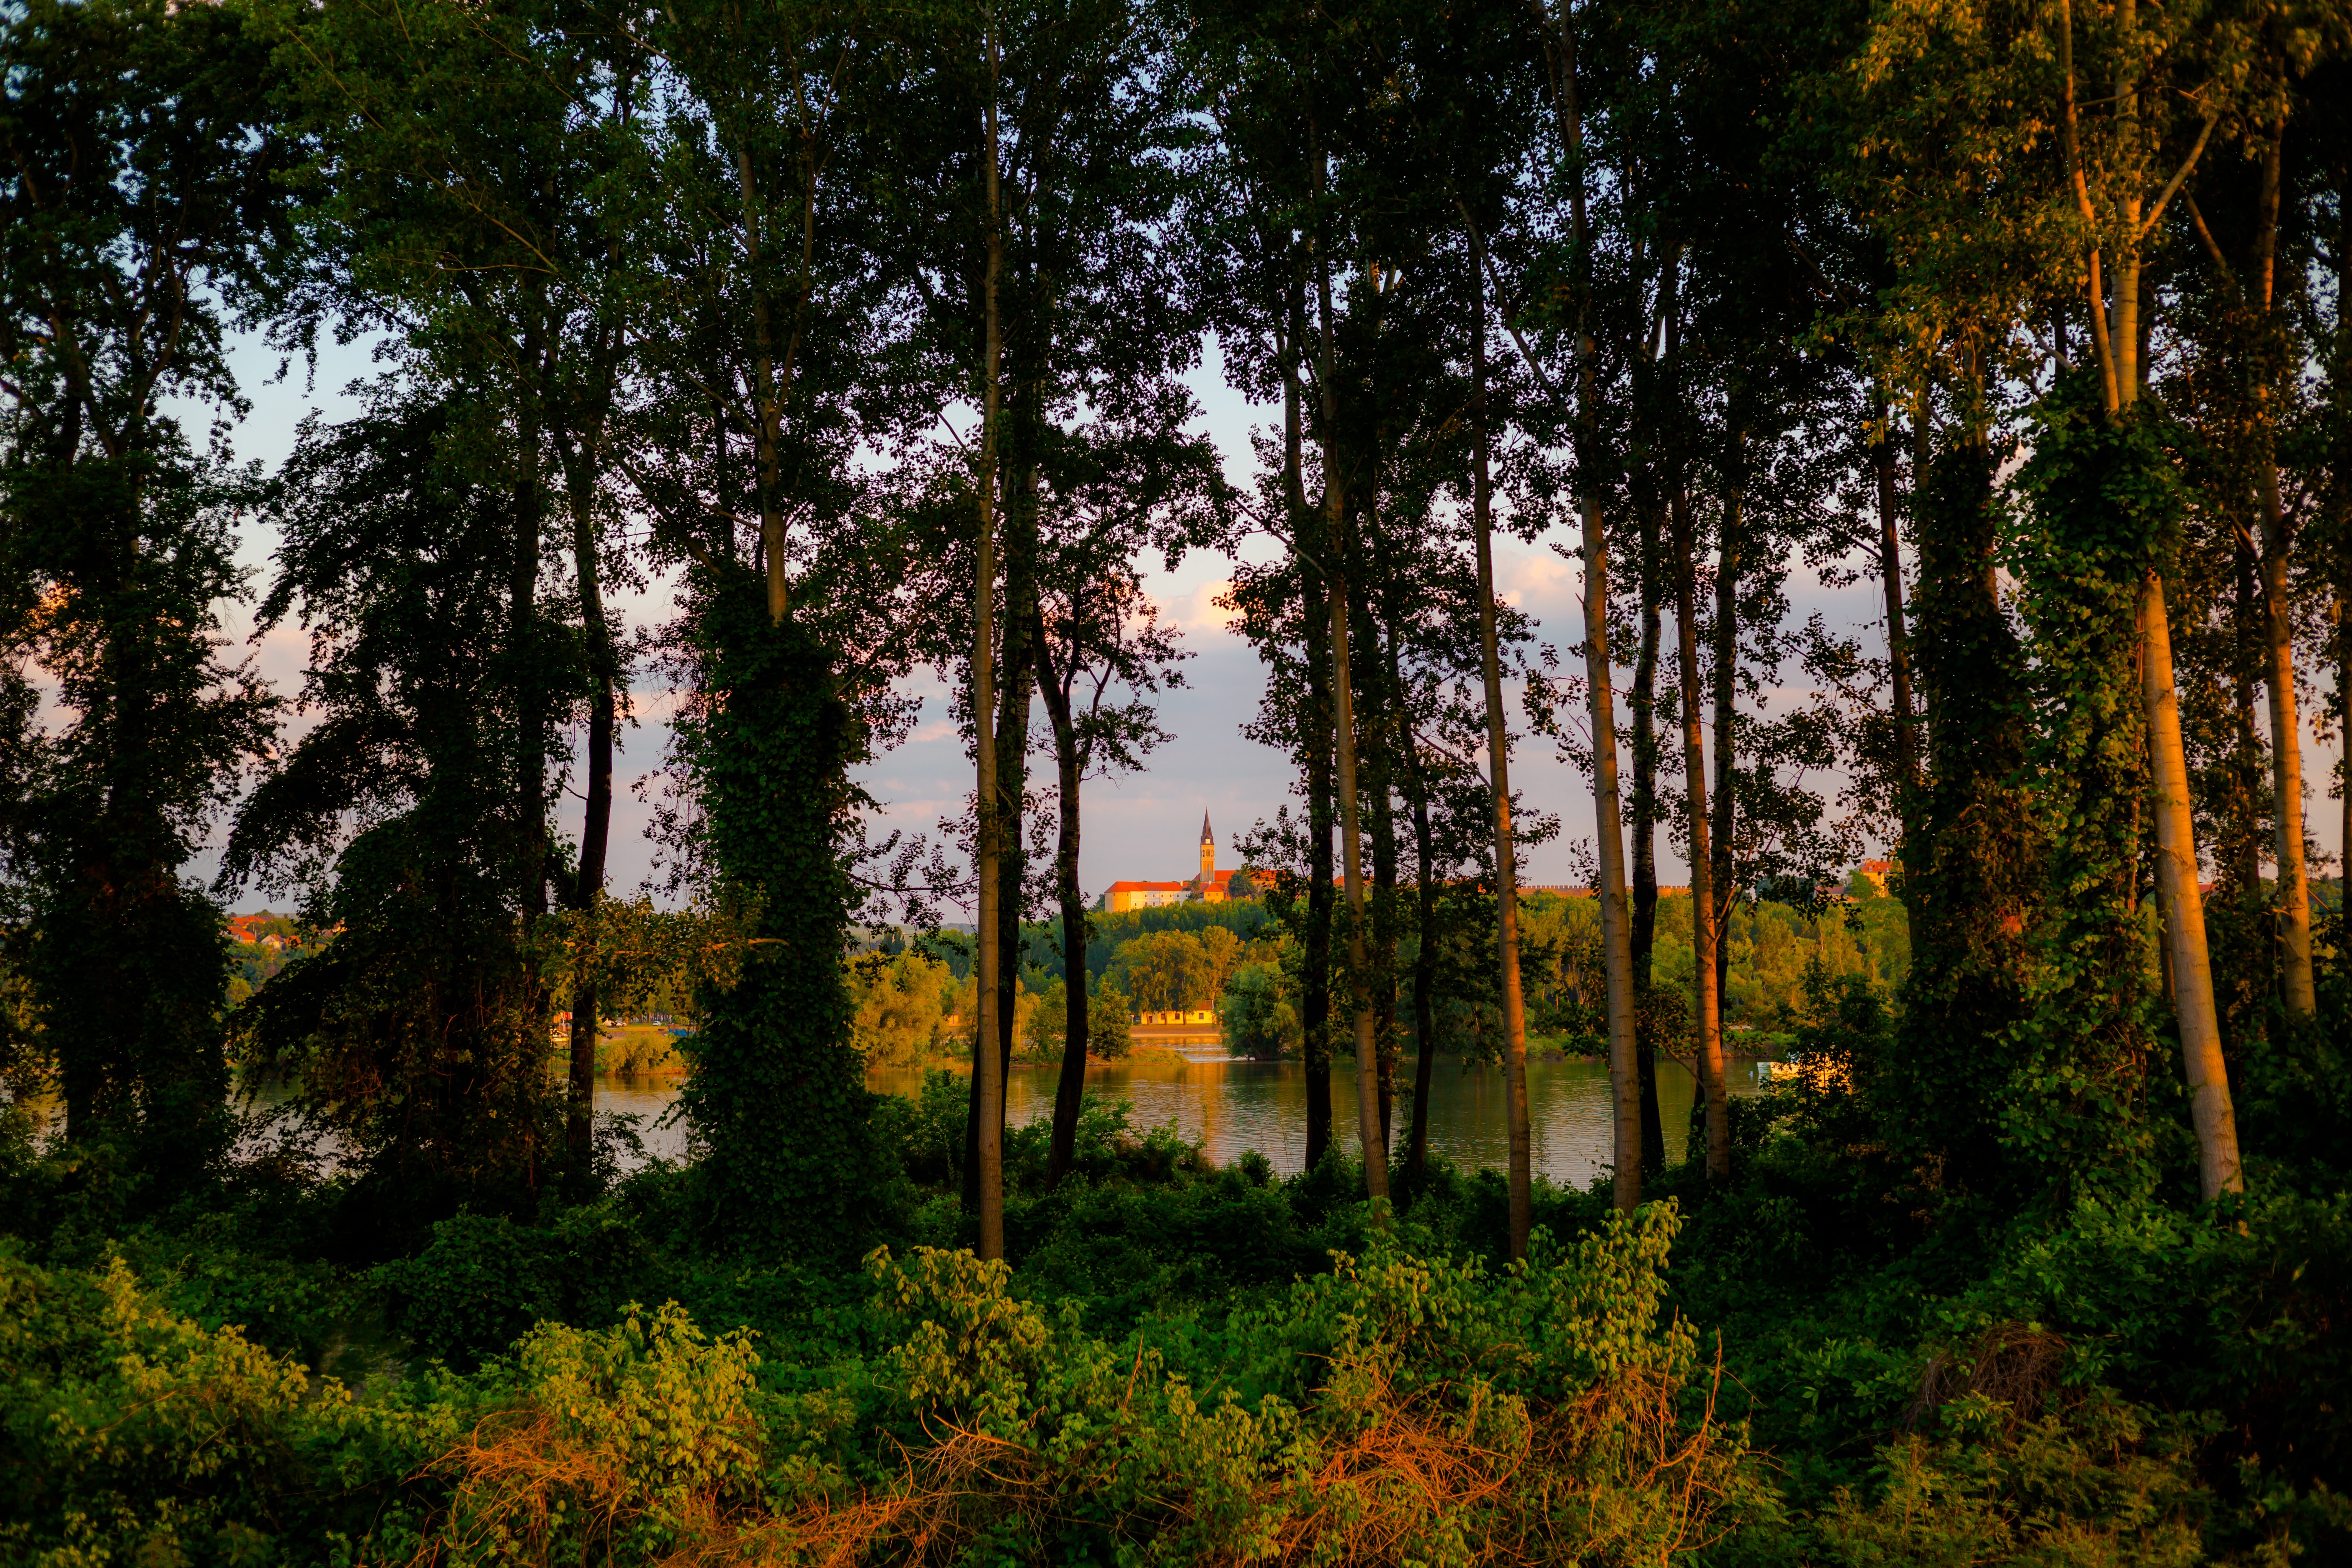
(1185, 1363)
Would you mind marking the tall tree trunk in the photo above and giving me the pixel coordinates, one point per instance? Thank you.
(1015, 667)
(1898, 638)
(2339, 504)
(988, 1076)
(1645, 842)
(2184, 911)
(1506, 850)
(2120, 359)
(767, 406)
(2287, 733)
(1315, 994)
(1322, 811)
(523, 613)
(580, 461)
(1069, 1089)
(1374, 1149)
(1730, 562)
(1343, 717)
(1521, 1174)
(1424, 964)
(2243, 835)
(1379, 782)
(1706, 930)
(1616, 945)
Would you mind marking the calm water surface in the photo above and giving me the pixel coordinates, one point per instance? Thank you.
(1231, 1105)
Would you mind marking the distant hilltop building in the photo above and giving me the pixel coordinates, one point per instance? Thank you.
(1211, 887)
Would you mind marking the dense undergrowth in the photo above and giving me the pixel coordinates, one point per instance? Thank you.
(1820, 1363)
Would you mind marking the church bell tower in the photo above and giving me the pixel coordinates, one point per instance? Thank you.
(1208, 856)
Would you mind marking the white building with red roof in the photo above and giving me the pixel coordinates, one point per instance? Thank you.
(1213, 885)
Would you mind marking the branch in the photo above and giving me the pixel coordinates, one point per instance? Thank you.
(1510, 322)
(2204, 134)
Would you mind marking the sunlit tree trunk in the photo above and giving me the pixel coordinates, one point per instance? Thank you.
(2287, 733)
(1521, 1174)
(1705, 927)
(2175, 880)
(1730, 562)
(988, 1147)
(2118, 345)
(1616, 938)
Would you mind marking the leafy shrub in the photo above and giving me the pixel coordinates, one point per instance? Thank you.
(2104, 1484)
(625, 1444)
(128, 1434)
(483, 1281)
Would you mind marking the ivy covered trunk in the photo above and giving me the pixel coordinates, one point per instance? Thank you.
(778, 1095)
(1969, 871)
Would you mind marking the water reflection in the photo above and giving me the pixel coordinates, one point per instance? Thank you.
(1231, 1105)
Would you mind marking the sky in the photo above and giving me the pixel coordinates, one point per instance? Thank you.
(1143, 826)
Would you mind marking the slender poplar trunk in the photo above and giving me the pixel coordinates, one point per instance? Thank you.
(1315, 998)
(988, 1076)
(1706, 930)
(1643, 807)
(1645, 842)
(2246, 767)
(1069, 1089)
(1343, 716)
(2184, 912)
(1730, 562)
(522, 610)
(2340, 503)
(1015, 667)
(2287, 733)
(1424, 965)
(1381, 780)
(1374, 1147)
(768, 410)
(2119, 352)
(1616, 945)
(1898, 638)
(595, 831)
(1521, 1174)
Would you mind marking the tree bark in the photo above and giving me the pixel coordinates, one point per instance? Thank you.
(1706, 931)
(1015, 667)
(1315, 998)
(1723, 866)
(1069, 1089)
(988, 1085)
(2184, 911)
(579, 460)
(2287, 731)
(1381, 778)
(2178, 897)
(1517, 1126)
(1898, 639)
(1352, 852)
(1424, 965)
(1616, 947)
(522, 587)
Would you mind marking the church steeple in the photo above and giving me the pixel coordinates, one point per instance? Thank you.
(1208, 855)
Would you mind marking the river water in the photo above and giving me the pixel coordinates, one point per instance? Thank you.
(1231, 1105)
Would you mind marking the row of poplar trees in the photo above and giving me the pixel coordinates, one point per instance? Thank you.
(868, 327)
